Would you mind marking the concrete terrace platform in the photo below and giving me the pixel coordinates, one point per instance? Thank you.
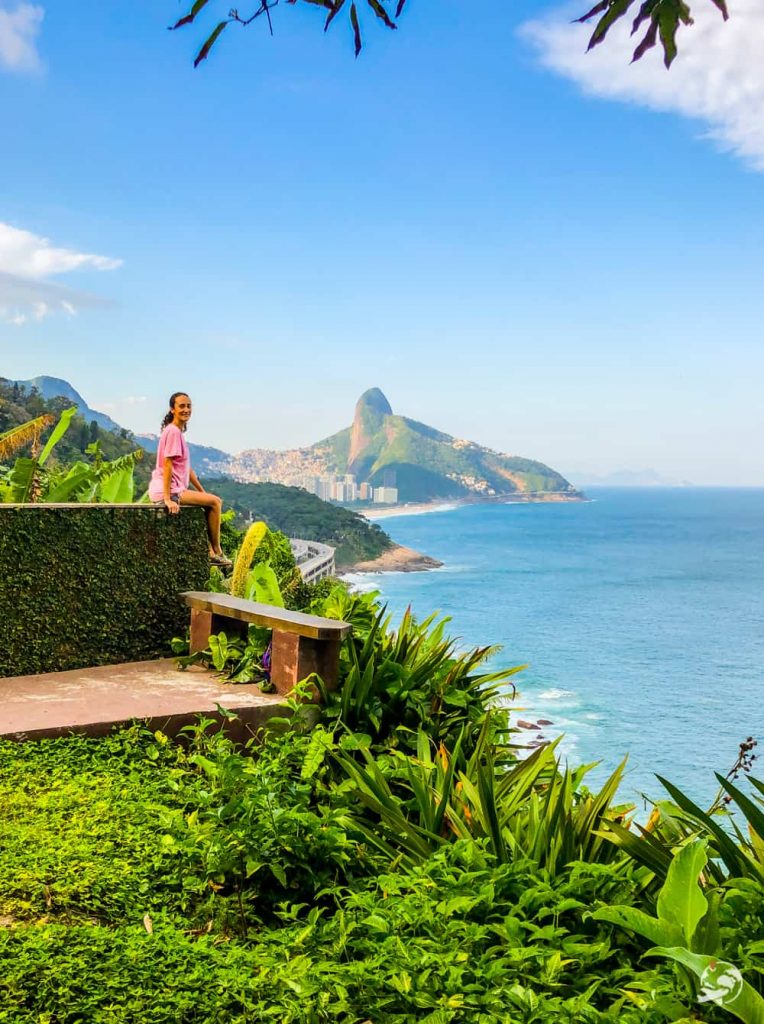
(92, 701)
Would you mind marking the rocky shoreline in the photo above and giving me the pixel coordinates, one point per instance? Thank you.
(396, 559)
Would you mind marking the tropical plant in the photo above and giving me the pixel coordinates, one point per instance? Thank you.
(395, 682)
(99, 481)
(26, 433)
(255, 831)
(530, 811)
(239, 659)
(661, 18)
(30, 479)
(253, 538)
(686, 931)
(23, 482)
(736, 852)
(361, 610)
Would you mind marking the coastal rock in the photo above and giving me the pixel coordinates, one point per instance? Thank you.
(398, 559)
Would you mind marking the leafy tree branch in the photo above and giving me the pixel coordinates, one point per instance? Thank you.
(660, 20)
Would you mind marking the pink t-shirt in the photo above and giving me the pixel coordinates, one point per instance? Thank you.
(172, 445)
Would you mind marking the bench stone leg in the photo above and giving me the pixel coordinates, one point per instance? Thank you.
(201, 629)
(295, 657)
(205, 624)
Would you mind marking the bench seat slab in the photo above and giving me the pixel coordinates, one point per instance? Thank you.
(293, 657)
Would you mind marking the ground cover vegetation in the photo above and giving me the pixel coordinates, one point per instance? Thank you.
(390, 856)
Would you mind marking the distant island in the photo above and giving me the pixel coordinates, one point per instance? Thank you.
(630, 478)
(386, 458)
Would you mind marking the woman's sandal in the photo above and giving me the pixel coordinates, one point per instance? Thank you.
(221, 561)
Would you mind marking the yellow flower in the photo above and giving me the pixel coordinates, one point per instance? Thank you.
(252, 540)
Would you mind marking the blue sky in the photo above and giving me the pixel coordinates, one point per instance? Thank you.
(556, 255)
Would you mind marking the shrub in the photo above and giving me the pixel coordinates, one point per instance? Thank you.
(94, 585)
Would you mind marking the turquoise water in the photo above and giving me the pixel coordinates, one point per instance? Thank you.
(640, 615)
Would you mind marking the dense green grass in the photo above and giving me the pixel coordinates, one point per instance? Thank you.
(78, 831)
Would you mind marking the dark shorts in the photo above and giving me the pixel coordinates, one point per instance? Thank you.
(173, 497)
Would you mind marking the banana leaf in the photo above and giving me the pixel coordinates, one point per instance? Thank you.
(58, 432)
(117, 488)
(22, 478)
(263, 586)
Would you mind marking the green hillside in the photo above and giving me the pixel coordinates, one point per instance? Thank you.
(299, 514)
(427, 463)
(19, 403)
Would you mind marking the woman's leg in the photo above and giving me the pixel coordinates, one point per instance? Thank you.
(212, 506)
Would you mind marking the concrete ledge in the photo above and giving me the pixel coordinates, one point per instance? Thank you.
(93, 701)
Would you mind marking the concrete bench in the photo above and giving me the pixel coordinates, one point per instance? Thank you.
(301, 644)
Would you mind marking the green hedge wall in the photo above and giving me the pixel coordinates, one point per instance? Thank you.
(94, 584)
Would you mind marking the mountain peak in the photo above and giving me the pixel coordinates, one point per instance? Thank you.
(370, 411)
(53, 387)
(374, 400)
(56, 387)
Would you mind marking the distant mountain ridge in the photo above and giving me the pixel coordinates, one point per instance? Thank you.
(424, 463)
(630, 478)
(55, 387)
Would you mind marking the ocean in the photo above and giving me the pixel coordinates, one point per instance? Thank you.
(640, 615)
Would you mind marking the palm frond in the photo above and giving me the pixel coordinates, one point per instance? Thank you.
(13, 440)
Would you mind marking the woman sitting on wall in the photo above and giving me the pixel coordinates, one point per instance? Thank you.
(173, 478)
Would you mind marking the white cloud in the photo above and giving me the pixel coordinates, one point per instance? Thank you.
(27, 261)
(29, 255)
(19, 27)
(717, 78)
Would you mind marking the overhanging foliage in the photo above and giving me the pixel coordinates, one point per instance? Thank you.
(660, 19)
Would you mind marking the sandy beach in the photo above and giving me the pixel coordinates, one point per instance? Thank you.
(417, 509)
(426, 507)
(396, 559)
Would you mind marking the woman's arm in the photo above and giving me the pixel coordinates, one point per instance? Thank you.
(193, 479)
(171, 506)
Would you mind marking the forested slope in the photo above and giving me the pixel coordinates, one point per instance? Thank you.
(299, 514)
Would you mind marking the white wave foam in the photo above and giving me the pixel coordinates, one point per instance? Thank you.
(555, 694)
(361, 582)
